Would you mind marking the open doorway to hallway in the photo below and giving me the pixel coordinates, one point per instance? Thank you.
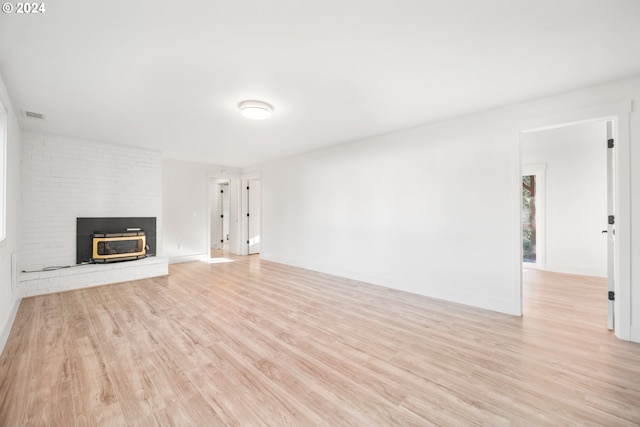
(618, 294)
(253, 208)
(564, 212)
(220, 232)
(224, 209)
(235, 215)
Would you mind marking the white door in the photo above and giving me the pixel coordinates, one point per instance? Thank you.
(223, 225)
(253, 216)
(220, 236)
(611, 229)
(236, 223)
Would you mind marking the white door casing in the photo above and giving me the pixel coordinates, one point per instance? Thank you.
(611, 229)
(253, 216)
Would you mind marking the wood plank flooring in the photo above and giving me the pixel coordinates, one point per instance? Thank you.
(254, 343)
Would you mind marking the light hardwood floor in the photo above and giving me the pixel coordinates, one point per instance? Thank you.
(254, 343)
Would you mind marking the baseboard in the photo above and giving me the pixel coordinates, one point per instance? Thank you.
(188, 258)
(90, 275)
(635, 333)
(573, 270)
(6, 328)
(500, 305)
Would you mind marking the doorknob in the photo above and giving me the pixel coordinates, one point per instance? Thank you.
(604, 231)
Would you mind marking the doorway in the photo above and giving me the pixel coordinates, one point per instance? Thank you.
(571, 163)
(220, 233)
(618, 114)
(254, 216)
(224, 208)
(235, 215)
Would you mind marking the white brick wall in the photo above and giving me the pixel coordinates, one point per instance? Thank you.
(65, 178)
(85, 276)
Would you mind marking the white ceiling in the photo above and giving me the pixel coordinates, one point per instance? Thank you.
(168, 75)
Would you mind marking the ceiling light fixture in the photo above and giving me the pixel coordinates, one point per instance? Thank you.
(256, 110)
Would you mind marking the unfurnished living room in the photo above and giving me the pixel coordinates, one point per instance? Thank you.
(270, 213)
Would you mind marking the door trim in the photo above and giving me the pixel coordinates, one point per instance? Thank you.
(234, 221)
(244, 223)
(618, 112)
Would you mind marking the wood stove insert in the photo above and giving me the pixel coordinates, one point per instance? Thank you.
(105, 240)
(126, 246)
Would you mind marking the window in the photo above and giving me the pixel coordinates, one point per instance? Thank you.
(529, 233)
(533, 214)
(3, 172)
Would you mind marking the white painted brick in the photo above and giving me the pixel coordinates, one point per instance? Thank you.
(91, 275)
(65, 178)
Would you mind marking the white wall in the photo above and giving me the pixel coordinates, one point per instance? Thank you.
(186, 208)
(425, 210)
(428, 210)
(576, 196)
(9, 295)
(66, 178)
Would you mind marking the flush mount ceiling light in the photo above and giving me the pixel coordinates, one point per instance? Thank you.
(256, 110)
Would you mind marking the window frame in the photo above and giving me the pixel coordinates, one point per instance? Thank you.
(4, 136)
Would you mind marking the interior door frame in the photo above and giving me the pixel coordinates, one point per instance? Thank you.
(619, 113)
(255, 220)
(244, 228)
(221, 213)
(611, 228)
(234, 221)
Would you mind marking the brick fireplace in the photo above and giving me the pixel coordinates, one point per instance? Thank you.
(67, 178)
(115, 239)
